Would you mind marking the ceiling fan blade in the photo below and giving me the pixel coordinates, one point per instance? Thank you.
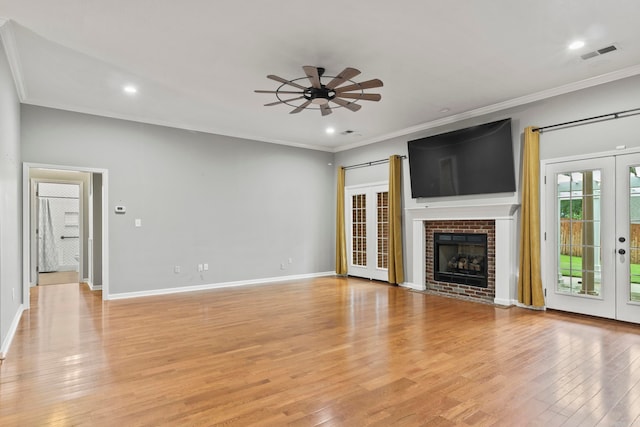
(346, 74)
(365, 96)
(284, 101)
(287, 82)
(348, 105)
(369, 84)
(277, 91)
(300, 108)
(312, 74)
(325, 109)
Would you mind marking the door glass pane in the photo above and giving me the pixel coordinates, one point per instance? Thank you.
(359, 230)
(579, 264)
(634, 233)
(382, 220)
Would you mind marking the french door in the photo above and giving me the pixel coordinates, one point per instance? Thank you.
(367, 227)
(593, 236)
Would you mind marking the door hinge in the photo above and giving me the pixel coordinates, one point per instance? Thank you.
(545, 179)
(545, 292)
(545, 235)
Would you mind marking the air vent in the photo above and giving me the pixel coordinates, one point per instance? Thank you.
(599, 52)
(607, 49)
(589, 55)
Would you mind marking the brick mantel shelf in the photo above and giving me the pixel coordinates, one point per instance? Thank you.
(504, 215)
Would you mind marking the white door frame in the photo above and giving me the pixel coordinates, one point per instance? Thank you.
(547, 265)
(376, 186)
(26, 224)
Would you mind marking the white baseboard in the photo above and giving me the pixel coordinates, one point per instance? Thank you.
(168, 291)
(11, 333)
(504, 302)
(529, 307)
(91, 286)
(413, 286)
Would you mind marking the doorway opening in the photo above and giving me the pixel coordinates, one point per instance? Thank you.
(59, 232)
(65, 234)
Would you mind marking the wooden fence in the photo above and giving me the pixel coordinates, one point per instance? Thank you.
(571, 239)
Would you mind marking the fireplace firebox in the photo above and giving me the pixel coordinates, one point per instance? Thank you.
(461, 258)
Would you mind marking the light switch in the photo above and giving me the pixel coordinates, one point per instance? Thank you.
(138, 222)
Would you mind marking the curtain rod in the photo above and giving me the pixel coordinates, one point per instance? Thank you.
(372, 163)
(604, 117)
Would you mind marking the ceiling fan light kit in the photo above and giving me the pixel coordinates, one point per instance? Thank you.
(323, 95)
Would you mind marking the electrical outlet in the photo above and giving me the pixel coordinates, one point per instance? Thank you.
(138, 222)
(176, 269)
(282, 266)
(290, 260)
(206, 267)
(200, 268)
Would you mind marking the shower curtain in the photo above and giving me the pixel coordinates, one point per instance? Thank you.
(47, 251)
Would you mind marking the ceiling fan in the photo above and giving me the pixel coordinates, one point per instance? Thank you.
(322, 94)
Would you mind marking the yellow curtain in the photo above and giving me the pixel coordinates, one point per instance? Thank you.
(341, 243)
(529, 280)
(396, 268)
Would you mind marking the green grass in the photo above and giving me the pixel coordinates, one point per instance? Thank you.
(576, 267)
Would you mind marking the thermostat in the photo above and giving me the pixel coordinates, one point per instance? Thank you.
(120, 209)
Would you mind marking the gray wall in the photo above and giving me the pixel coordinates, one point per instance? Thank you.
(10, 201)
(616, 96)
(244, 207)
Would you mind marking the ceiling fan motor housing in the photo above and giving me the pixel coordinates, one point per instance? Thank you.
(319, 96)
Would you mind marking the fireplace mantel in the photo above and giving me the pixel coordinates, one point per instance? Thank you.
(505, 241)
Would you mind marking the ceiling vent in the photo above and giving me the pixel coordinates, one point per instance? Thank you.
(599, 52)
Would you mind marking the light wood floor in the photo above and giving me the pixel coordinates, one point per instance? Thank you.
(339, 352)
(58, 278)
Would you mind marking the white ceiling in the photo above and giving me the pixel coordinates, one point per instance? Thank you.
(196, 63)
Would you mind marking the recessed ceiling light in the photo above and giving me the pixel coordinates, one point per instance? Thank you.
(576, 45)
(130, 89)
(330, 131)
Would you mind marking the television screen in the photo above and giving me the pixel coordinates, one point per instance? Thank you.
(475, 160)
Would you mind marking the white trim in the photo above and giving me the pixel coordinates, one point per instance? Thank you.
(507, 302)
(93, 287)
(169, 291)
(13, 57)
(373, 184)
(11, 333)
(26, 241)
(413, 286)
(527, 99)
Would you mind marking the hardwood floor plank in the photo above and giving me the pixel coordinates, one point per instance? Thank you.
(331, 351)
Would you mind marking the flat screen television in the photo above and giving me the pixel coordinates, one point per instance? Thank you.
(474, 160)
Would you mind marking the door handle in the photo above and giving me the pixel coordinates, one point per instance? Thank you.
(621, 239)
(622, 251)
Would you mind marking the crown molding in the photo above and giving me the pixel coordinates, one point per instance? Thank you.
(11, 50)
(516, 102)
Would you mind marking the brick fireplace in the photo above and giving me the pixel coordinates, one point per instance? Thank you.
(461, 229)
(497, 221)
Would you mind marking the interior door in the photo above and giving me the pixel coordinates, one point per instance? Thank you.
(593, 237)
(367, 225)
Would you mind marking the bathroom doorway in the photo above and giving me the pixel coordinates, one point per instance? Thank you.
(59, 232)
